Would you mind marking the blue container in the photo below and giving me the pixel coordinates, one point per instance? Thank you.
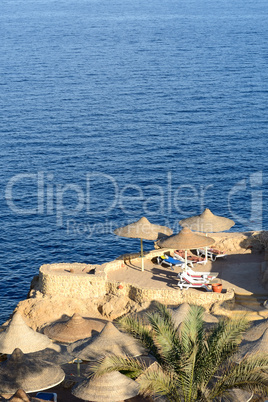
(47, 396)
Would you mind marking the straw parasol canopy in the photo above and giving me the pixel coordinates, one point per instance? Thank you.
(254, 347)
(180, 314)
(19, 335)
(109, 341)
(51, 356)
(143, 229)
(256, 331)
(239, 395)
(207, 222)
(186, 240)
(73, 329)
(109, 387)
(32, 375)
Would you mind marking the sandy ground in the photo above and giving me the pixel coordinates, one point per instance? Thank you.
(241, 272)
(238, 271)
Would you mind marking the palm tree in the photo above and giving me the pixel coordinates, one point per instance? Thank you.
(193, 363)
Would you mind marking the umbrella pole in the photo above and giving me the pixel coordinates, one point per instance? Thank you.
(142, 261)
(206, 252)
(78, 361)
(186, 260)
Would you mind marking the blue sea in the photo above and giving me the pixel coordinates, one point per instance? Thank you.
(114, 110)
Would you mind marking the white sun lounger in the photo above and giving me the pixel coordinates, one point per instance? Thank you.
(186, 282)
(200, 275)
(193, 259)
(213, 254)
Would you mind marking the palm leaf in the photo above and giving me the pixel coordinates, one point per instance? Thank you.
(221, 344)
(164, 312)
(193, 363)
(251, 374)
(192, 329)
(165, 338)
(156, 381)
(126, 365)
(139, 330)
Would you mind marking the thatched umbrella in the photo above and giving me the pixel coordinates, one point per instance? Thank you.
(73, 329)
(32, 375)
(239, 395)
(109, 341)
(207, 222)
(256, 330)
(186, 240)
(52, 356)
(180, 314)
(19, 335)
(260, 346)
(109, 387)
(143, 229)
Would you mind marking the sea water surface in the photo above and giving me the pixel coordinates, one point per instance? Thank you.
(113, 110)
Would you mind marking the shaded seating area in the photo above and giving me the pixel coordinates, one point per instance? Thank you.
(186, 240)
(212, 253)
(166, 260)
(207, 222)
(201, 275)
(186, 281)
(195, 259)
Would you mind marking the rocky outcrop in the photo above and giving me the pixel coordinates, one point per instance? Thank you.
(64, 289)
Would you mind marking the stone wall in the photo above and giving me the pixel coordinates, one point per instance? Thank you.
(168, 296)
(84, 281)
(58, 279)
(76, 280)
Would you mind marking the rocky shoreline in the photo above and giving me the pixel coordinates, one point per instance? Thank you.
(42, 308)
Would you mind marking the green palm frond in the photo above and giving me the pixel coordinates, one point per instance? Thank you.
(165, 337)
(136, 327)
(126, 365)
(192, 329)
(231, 331)
(251, 374)
(156, 381)
(164, 312)
(194, 363)
(192, 336)
(220, 345)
